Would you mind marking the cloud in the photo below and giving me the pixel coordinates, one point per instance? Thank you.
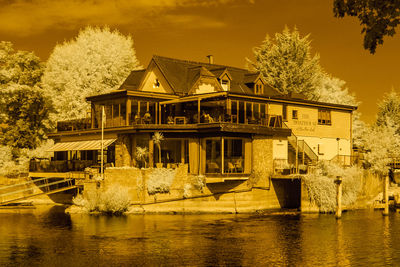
(29, 17)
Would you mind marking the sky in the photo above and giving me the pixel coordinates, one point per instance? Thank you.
(227, 29)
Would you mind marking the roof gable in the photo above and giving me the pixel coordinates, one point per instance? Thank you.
(155, 81)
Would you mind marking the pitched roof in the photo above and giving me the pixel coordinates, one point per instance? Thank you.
(182, 74)
(133, 80)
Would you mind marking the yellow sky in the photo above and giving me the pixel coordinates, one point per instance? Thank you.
(228, 29)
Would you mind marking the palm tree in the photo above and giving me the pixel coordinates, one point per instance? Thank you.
(141, 154)
(157, 138)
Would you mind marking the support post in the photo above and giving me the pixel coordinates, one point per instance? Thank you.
(338, 183)
(386, 195)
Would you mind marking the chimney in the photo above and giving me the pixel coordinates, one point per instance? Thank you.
(210, 59)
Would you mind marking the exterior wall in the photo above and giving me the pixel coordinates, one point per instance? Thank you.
(327, 148)
(322, 138)
(280, 149)
(262, 159)
(123, 151)
(151, 78)
(226, 197)
(275, 109)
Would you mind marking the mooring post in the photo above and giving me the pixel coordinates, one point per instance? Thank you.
(338, 183)
(386, 195)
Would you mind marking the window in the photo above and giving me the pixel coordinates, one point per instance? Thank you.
(295, 114)
(258, 89)
(249, 117)
(213, 156)
(233, 155)
(284, 112)
(156, 84)
(233, 159)
(324, 117)
(234, 111)
(225, 85)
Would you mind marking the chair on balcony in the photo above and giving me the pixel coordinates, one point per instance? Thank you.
(239, 165)
(147, 118)
(231, 167)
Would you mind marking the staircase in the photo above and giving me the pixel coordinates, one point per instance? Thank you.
(36, 187)
(305, 154)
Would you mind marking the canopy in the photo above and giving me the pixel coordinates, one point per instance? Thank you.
(81, 145)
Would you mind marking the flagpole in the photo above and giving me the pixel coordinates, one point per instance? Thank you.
(102, 142)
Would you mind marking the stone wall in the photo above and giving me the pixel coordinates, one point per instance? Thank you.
(123, 155)
(262, 160)
(189, 193)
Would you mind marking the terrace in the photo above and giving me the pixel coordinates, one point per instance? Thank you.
(186, 112)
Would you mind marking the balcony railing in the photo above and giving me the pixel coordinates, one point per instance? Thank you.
(73, 125)
(46, 165)
(274, 121)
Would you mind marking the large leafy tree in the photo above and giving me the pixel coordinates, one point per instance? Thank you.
(378, 18)
(287, 64)
(389, 111)
(96, 61)
(27, 117)
(23, 107)
(333, 90)
(18, 67)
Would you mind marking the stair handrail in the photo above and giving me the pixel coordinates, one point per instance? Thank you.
(307, 149)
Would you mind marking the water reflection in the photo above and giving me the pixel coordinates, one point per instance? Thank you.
(52, 238)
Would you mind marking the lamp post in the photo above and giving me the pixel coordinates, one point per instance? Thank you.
(103, 116)
(338, 139)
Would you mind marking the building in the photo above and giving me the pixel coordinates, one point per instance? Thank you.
(223, 123)
(213, 117)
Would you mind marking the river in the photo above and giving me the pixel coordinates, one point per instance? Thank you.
(53, 238)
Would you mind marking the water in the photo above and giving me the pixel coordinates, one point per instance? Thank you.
(52, 238)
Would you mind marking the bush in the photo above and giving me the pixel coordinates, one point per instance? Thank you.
(322, 189)
(160, 180)
(115, 200)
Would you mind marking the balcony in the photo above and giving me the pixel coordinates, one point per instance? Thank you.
(46, 165)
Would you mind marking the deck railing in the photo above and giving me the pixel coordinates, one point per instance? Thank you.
(274, 121)
(46, 165)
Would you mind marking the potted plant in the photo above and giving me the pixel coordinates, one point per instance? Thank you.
(157, 138)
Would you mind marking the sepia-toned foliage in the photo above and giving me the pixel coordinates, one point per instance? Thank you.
(378, 18)
(287, 64)
(114, 200)
(389, 111)
(322, 189)
(97, 61)
(24, 108)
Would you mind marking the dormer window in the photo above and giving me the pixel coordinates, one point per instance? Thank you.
(225, 84)
(156, 84)
(258, 89)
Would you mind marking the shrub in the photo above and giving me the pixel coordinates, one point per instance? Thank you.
(115, 200)
(160, 180)
(322, 189)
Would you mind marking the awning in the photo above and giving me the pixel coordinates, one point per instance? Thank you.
(81, 145)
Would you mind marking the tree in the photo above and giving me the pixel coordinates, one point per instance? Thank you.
(389, 111)
(382, 144)
(157, 138)
(286, 63)
(379, 18)
(97, 61)
(27, 117)
(23, 107)
(333, 90)
(18, 67)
